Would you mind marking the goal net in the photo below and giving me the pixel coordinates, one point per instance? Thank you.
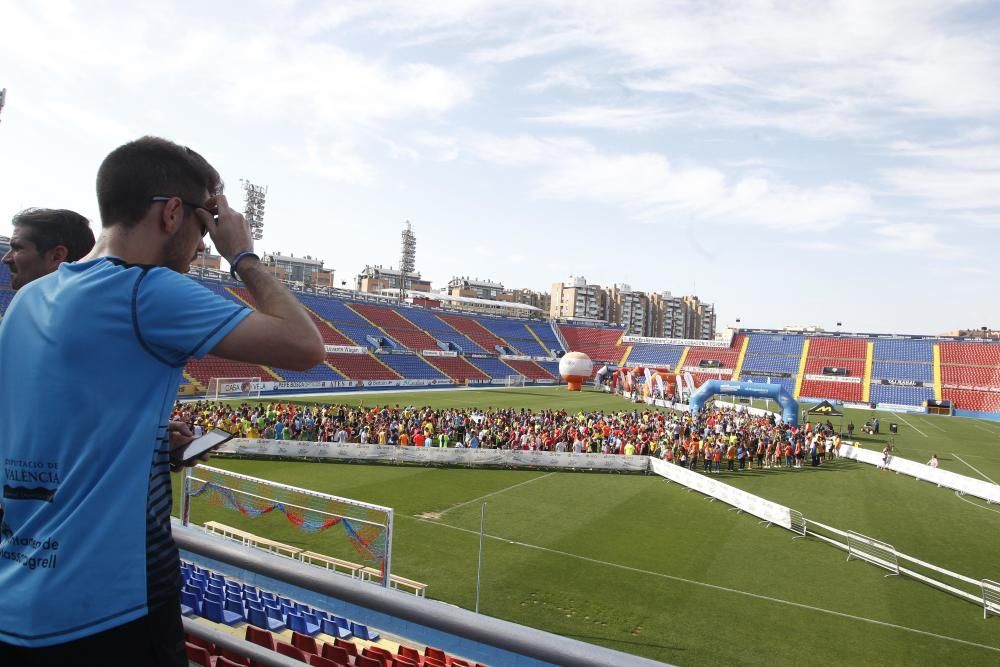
(515, 381)
(233, 388)
(353, 530)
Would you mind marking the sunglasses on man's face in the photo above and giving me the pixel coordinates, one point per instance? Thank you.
(204, 229)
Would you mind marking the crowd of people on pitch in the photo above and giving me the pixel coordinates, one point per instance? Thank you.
(714, 437)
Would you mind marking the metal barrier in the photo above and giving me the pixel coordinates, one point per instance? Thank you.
(991, 598)
(519, 639)
(875, 552)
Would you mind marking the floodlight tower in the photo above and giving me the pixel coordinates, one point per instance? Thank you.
(3, 98)
(407, 258)
(254, 197)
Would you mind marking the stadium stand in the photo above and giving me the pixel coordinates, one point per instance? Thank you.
(598, 344)
(476, 331)
(978, 401)
(291, 628)
(412, 366)
(458, 369)
(837, 391)
(846, 353)
(319, 373)
(770, 363)
(787, 383)
(903, 370)
(361, 367)
(492, 366)
(528, 369)
(552, 367)
(4, 271)
(396, 326)
(899, 395)
(516, 334)
(920, 351)
(970, 354)
(545, 334)
(442, 331)
(203, 370)
(969, 377)
(776, 344)
(660, 356)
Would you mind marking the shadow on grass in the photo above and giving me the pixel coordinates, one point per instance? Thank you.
(837, 466)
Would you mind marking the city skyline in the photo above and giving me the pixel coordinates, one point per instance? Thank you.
(789, 163)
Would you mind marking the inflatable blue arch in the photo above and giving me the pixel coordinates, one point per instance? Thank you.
(775, 392)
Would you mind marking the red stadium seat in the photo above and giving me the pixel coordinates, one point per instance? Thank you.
(305, 643)
(287, 649)
(260, 637)
(320, 661)
(198, 655)
(337, 653)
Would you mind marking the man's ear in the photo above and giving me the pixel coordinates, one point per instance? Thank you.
(57, 255)
(171, 216)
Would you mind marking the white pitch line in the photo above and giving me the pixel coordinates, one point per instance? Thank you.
(911, 424)
(930, 422)
(973, 467)
(983, 428)
(716, 587)
(964, 499)
(488, 495)
(990, 423)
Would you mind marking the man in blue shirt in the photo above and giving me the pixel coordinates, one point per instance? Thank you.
(87, 562)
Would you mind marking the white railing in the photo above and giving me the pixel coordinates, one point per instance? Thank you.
(874, 551)
(991, 598)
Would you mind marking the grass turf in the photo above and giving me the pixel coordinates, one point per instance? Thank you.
(634, 563)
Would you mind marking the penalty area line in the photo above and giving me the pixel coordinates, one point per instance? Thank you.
(904, 419)
(489, 495)
(978, 472)
(966, 500)
(716, 587)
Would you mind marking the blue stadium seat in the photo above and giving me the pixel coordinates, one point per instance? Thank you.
(770, 363)
(364, 632)
(428, 321)
(901, 370)
(779, 344)
(898, 395)
(262, 620)
(214, 611)
(656, 355)
(921, 351)
(334, 629)
(298, 623)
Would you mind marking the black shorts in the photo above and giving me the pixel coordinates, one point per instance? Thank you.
(156, 639)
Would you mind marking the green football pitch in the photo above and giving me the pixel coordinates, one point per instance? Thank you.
(641, 565)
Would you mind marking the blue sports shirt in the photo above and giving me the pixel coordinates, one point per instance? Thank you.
(90, 360)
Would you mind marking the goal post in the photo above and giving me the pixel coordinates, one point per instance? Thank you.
(353, 528)
(515, 381)
(223, 388)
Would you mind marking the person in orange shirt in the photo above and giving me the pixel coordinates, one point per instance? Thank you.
(404, 439)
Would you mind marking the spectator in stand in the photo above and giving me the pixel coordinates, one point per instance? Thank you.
(124, 313)
(44, 238)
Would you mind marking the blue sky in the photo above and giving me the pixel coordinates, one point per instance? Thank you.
(794, 163)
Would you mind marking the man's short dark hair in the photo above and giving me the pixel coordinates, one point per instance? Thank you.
(134, 173)
(51, 227)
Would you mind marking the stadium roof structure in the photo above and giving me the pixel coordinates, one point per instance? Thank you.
(439, 296)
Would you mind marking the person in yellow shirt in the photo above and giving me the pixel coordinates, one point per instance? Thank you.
(629, 449)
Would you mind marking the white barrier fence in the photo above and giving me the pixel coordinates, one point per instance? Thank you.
(747, 502)
(348, 451)
(991, 598)
(874, 551)
(945, 478)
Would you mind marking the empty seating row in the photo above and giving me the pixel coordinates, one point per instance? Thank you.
(838, 391)
(515, 333)
(6, 296)
(815, 365)
(598, 344)
(476, 331)
(361, 367)
(898, 395)
(903, 350)
(725, 356)
(660, 356)
(970, 376)
(838, 348)
(775, 344)
(458, 368)
(972, 354)
(364, 334)
(978, 401)
(528, 369)
(545, 334)
(397, 326)
(210, 366)
(902, 370)
(770, 363)
(319, 373)
(492, 366)
(412, 366)
(442, 331)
